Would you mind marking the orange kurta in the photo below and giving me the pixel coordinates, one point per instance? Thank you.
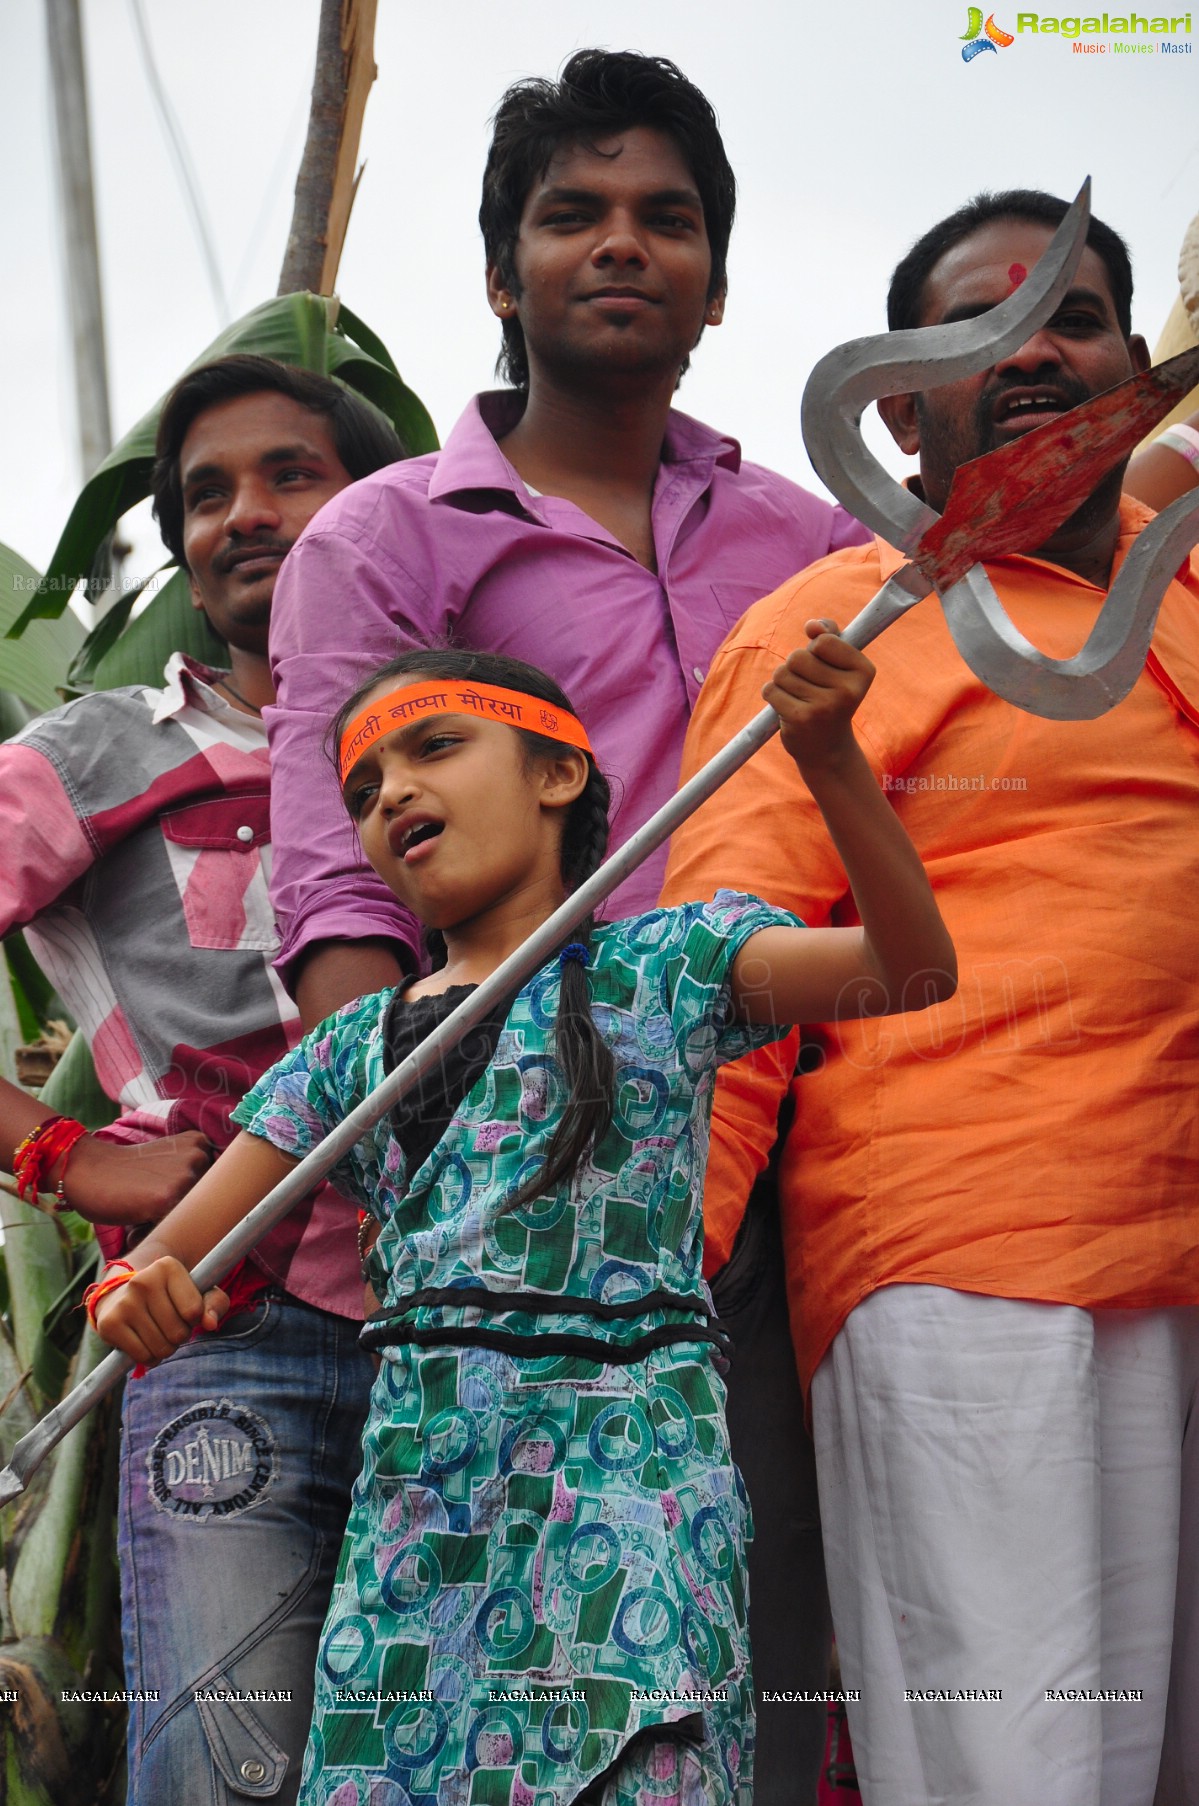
(1036, 1136)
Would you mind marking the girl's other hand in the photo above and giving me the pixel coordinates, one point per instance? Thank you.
(157, 1310)
(815, 695)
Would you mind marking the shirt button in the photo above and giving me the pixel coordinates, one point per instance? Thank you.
(245, 835)
(697, 672)
(253, 1770)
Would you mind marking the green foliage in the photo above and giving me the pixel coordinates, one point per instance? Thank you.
(53, 1752)
(30, 990)
(13, 714)
(169, 624)
(32, 669)
(314, 331)
(63, 1323)
(105, 634)
(74, 1090)
(39, 1268)
(54, 1590)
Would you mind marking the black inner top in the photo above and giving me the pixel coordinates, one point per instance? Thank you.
(421, 1118)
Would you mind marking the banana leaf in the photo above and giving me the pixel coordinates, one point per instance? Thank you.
(314, 331)
(38, 1269)
(31, 989)
(105, 634)
(170, 624)
(64, 1322)
(14, 714)
(35, 668)
(12, 1035)
(53, 1752)
(74, 1090)
(62, 1568)
(17, 1414)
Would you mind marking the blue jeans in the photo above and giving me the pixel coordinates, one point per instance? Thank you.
(238, 1455)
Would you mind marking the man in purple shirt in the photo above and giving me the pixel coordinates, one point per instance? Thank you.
(576, 521)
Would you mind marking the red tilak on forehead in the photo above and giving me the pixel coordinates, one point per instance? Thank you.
(1016, 274)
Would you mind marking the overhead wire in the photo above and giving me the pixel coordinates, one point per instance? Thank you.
(183, 163)
(286, 159)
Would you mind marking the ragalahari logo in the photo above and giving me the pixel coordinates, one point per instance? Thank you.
(979, 37)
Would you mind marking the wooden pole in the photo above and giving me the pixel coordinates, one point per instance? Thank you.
(326, 184)
(1181, 330)
(80, 243)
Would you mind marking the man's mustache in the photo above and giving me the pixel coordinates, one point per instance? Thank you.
(1067, 390)
(233, 555)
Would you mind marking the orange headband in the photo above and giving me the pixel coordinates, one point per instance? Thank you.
(446, 696)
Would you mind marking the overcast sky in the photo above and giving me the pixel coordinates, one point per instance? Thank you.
(851, 128)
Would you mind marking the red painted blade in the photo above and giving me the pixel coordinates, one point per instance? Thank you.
(1014, 498)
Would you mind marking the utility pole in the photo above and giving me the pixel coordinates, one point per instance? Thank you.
(77, 212)
(327, 182)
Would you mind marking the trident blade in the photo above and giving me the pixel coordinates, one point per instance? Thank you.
(898, 363)
(37, 1443)
(1012, 499)
(1104, 671)
(1015, 497)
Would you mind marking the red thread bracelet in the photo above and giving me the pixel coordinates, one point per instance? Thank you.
(48, 1142)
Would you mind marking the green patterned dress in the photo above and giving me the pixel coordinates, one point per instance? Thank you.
(544, 1562)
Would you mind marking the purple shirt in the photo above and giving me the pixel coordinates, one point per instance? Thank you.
(454, 545)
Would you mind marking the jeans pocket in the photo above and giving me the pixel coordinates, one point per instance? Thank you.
(245, 1329)
(253, 1325)
(243, 1750)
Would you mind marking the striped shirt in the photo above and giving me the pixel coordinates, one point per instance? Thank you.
(136, 829)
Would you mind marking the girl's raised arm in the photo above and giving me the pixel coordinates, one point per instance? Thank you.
(159, 1307)
(901, 957)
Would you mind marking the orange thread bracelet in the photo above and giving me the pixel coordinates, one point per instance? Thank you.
(116, 1273)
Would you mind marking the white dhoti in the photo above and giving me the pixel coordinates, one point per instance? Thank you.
(1010, 1499)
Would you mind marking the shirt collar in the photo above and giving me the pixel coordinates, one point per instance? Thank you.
(472, 460)
(188, 683)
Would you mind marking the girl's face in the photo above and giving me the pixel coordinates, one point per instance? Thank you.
(457, 822)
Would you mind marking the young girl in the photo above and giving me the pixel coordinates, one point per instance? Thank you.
(541, 1595)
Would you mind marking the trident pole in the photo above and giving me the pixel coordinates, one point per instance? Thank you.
(33, 1447)
(1079, 688)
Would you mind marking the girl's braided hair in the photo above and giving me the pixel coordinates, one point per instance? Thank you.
(580, 1051)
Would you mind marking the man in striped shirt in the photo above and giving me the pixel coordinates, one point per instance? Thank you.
(136, 829)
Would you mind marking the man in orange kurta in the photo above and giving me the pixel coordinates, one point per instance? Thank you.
(990, 1208)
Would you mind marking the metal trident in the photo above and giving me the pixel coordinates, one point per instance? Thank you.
(1010, 500)
(1015, 498)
